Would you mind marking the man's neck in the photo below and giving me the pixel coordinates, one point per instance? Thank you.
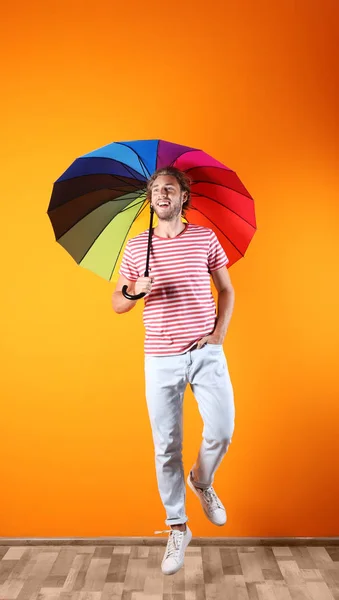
(169, 229)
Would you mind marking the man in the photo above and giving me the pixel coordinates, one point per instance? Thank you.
(183, 344)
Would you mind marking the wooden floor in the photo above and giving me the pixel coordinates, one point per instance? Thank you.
(107, 572)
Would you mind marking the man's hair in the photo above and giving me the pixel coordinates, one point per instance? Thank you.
(181, 177)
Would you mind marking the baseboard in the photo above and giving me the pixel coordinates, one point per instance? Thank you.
(162, 540)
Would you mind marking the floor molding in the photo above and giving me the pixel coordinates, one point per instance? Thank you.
(162, 540)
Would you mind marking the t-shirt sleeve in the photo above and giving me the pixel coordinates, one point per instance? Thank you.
(217, 257)
(128, 267)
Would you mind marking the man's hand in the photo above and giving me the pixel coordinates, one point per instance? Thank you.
(143, 285)
(210, 339)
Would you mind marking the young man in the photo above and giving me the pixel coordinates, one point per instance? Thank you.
(183, 344)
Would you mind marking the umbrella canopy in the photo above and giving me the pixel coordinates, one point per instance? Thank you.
(99, 202)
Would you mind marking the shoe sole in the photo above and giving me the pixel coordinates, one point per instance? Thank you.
(190, 484)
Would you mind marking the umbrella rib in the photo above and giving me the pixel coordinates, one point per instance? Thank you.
(182, 153)
(221, 231)
(130, 205)
(127, 167)
(133, 177)
(220, 204)
(137, 189)
(111, 174)
(95, 239)
(207, 167)
(139, 158)
(118, 178)
(221, 184)
(116, 260)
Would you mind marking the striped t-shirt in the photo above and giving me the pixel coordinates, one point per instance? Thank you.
(180, 309)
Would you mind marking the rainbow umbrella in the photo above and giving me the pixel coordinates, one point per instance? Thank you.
(99, 202)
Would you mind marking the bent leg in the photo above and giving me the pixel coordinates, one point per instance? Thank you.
(211, 385)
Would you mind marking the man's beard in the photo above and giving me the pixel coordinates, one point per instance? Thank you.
(168, 215)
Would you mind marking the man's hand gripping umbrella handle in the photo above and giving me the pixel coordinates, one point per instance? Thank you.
(124, 289)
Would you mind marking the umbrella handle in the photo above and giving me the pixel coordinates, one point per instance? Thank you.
(130, 296)
(124, 289)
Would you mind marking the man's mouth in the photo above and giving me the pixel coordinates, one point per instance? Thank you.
(164, 203)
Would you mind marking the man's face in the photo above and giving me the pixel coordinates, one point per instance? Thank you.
(167, 198)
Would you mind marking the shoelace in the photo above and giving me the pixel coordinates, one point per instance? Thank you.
(211, 497)
(174, 541)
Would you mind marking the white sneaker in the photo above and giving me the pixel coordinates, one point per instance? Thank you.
(175, 550)
(212, 505)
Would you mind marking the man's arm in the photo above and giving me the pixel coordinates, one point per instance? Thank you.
(223, 284)
(119, 303)
(225, 291)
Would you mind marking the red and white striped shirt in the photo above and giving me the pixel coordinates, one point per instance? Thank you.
(180, 308)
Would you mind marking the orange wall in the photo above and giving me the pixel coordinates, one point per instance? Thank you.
(255, 84)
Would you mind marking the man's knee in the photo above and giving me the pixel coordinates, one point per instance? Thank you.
(226, 441)
(223, 435)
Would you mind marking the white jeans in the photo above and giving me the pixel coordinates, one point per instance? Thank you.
(166, 378)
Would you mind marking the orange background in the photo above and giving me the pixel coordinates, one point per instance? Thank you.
(254, 84)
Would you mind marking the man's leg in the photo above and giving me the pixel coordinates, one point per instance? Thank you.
(211, 385)
(165, 378)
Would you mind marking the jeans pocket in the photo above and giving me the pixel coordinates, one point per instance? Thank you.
(216, 346)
